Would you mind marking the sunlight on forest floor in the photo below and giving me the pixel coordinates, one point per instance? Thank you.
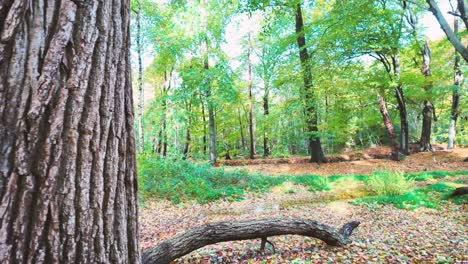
(448, 160)
(387, 234)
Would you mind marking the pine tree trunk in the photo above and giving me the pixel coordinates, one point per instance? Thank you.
(67, 173)
(428, 109)
(308, 93)
(457, 81)
(389, 126)
(251, 133)
(140, 82)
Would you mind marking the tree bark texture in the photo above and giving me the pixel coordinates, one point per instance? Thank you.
(459, 47)
(308, 93)
(241, 129)
(67, 148)
(389, 126)
(457, 81)
(208, 234)
(141, 137)
(428, 108)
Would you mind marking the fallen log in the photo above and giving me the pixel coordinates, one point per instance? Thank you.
(459, 191)
(212, 233)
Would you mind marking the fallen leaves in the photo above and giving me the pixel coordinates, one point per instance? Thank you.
(386, 234)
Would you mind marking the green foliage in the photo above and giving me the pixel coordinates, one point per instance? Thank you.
(384, 183)
(313, 182)
(432, 196)
(179, 180)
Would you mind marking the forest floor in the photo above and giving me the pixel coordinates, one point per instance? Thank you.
(386, 234)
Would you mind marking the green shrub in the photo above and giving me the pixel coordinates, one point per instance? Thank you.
(384, 183)
(314, 182)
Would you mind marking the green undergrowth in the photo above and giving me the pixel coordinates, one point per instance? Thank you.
(180, 180)
(432, 196)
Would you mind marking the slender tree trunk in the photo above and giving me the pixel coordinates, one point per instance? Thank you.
(251, 133)
(389, 126)
(212, 133)
(187, 132)
(141, 135)
(308, 93)
(266, 112)
(457, 81)
(404, 132)
(428, 109)
(204, 125)
(211, 114)
(241, 128)
(67, 147)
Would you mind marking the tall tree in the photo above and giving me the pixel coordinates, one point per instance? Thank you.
(251, 132)
(428, 109)
(67, 174)
(141, 135)
(309, 99)
(457, 81)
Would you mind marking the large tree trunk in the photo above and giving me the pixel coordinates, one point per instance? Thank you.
(404, 132)
(425, 140)
(428, 110)
(141, 136)
(389, 126)
(67, 148)
(308, 93)
(208, 234)
(457, 81)
(251, 133)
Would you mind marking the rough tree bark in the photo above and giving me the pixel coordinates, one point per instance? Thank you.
(428, 109)
(308, 94)
(141, 135)
(457, 81)
(459, 47)
(208, 234)
(67, 148)
(389, 126)
(251, 132)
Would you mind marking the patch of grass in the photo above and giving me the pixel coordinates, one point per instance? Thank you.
(313, 182)
(178, 180)
(432, 196)
(432, 175)
(384, 183)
